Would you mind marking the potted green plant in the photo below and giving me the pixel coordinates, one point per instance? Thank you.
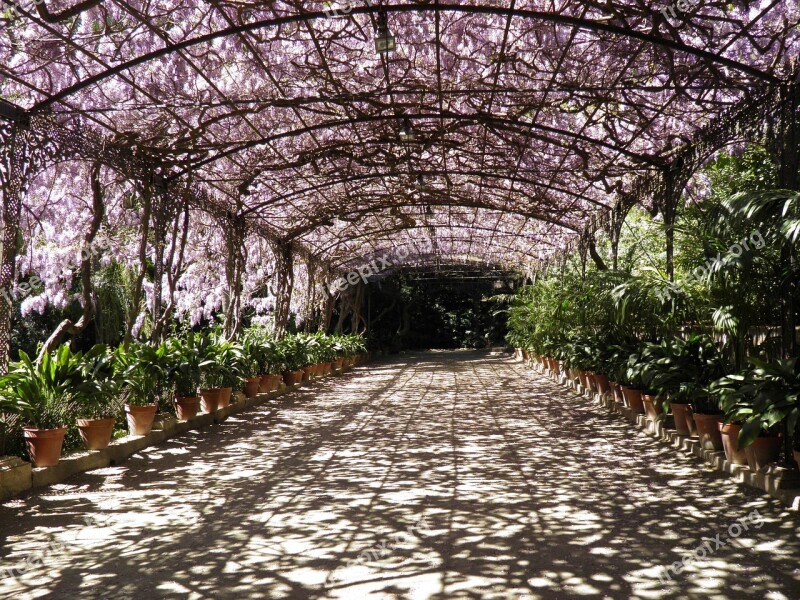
(632, 384)
(765, 400)
(211, 369)
(142, 370)
(44, 392)
(616, 367)
(577, 355)
(728, 389)
(680, 370)
(293, 359)
(326, 352)
(185, 375)
(12, 407)
(338, 346)
(98, 402)
(264, 350)
(235, 363)
(248, 371)
(604, 356)
(254, 365)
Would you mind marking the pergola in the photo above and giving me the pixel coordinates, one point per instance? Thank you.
(496, 131)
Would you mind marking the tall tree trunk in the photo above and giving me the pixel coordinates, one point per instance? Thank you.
(67, 327)
(285, 286)
(180, 234)
(345, 306)
(598, 260)
(358, 301)
(160, 210)
(326, 313)
(136, 299)
(669, 233)
(234, 269)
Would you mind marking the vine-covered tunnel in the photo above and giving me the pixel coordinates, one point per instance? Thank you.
(399, 298)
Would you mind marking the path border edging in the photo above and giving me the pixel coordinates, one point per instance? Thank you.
(779, 482)
(18, 475)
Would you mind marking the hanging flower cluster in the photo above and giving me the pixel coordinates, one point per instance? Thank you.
(492, 133)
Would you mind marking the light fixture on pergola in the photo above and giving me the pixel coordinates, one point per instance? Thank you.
(406, 131)
(384, 40)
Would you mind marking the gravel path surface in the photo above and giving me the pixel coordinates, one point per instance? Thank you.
(435, 475)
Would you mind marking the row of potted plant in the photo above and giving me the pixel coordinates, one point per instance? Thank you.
(84, 395)
(748, 414)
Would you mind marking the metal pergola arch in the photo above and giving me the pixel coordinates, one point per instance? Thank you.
(305, 16)
(506, 76)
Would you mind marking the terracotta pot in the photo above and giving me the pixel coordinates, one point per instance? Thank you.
(275, 382)
(653, 406)
(225, 396)
(763, 451)
(264, 383)
(44, 445)
(326, 368)
(140, 418)
(556, 366)
(293, 377)
(96, 433)
(633, 399)
(684, 423)
(708, 431)
(617, 391)
(209, 399)
(251, 385)
(602, 383)
(796, 454)
(584, 379)
(730, 443)
(337, 364)
(186, 407)
(591, 385)
(524, 354)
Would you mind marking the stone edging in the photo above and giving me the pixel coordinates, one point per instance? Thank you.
(17, 475)
(779, 482)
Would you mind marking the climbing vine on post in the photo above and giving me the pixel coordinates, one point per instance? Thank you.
(235, 228)
(284, 286)
(24, 150)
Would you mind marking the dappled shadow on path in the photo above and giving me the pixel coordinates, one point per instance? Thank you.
(440, 475)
